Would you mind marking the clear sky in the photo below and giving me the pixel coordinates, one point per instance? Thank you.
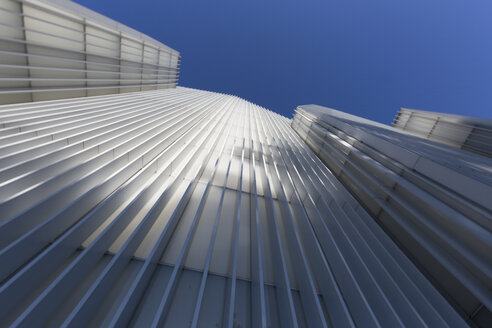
(368, 58)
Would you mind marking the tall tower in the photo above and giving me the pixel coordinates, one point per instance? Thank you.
(176, 207)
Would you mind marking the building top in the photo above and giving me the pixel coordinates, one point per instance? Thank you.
(464, 132)
(85, 13)
(432, 199)
(451, 117)
(54, 49)
(472, 165)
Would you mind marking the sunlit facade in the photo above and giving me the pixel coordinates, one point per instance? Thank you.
(53, 49)
(184, 207)
(187, 208)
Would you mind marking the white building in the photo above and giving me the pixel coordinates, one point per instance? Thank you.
(52, 49)
(433, 199)
(464, 132)
(182, 207)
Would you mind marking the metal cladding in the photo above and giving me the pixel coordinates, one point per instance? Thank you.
(464, 132)
(181, 208)
(187, 208)
(435, 201)
(55, 49)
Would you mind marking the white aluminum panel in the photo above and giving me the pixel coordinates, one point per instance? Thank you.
(464, 132)
(54, 49)
(163, 208)
(432, 199)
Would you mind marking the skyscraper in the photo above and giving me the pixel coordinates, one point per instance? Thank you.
(182, 207)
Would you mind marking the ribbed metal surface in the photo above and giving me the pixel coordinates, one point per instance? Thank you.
(434, 200)
(54, 49)
(182, 208)
(464, 132)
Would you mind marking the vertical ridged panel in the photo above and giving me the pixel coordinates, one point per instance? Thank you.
(181, 207)
(432, 199)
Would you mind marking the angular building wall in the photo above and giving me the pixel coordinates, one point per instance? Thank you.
(182, 208)
(187, 208)
(464, 132)
(54, 49)
(435, 201)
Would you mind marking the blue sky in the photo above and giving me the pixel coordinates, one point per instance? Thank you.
(367, 58)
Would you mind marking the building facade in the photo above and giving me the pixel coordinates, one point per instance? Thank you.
(463, 132)
(53, 49)
(433, 199)
(187, 208)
